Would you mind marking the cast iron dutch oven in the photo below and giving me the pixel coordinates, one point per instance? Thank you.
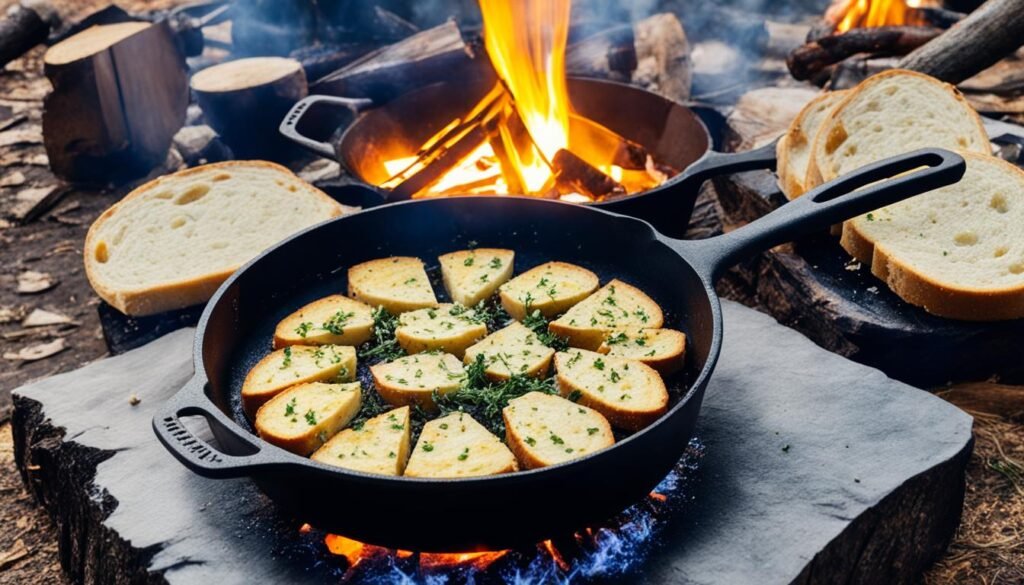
(671, 132)
(524, 507)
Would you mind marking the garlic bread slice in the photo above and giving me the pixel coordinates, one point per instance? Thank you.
(398, 284)
(662, 349)
(336, 320)
(470, 276)
(511, 351)
(447, 327)
(380, 445)
(629, 394)
(303, 417)
(543, 429)
(296, 365)
(615, 306)
(458, 446)
(413, 379)
(550, 288)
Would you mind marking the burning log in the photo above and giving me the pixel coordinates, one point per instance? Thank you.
(426, 57)
(245, 100)
(974, 44)
(575, 175)
(119, 95)
(808, 61)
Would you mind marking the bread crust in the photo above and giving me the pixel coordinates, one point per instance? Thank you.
(931, 294)
(796, 136)
(185, 292)
(815, 175)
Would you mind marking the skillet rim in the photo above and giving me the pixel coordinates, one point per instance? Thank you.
(280, 457)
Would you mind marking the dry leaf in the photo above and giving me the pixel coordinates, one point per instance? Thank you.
(28, 199)
(39, 351)
(30, 135)
(14, 554)
(9, 315)
(30, 282)
(14, 179)
(42, 318)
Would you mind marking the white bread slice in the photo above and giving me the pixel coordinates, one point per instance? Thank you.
(171, 242)
(888, 114)
(380, 445)
(447, 327)
(296, 365)
(550, 288)
(414, 378)
(957, 251)
(458, 446)
(662, 349)
(303, 417)
(511, 351)
(629, 394)
(335, 320)
(470, 276)
(794, 148)
(543, 429)
(616, 305)
(398, 284)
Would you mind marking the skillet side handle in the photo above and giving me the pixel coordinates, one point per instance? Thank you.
(834, 202)
(192, 451)
(715, 163)
(290, 125)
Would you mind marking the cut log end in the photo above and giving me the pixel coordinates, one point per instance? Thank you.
(242, 74)
(91, 41)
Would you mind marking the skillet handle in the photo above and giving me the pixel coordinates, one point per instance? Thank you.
(861, 191)
(714, 163)
(290, 125)
(192, 451)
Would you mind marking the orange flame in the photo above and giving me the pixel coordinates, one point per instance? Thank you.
(478, 560)
(848, 14)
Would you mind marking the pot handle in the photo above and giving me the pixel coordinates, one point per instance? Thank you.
(192, 451)
(861, 191)
(290, 125)
(713, 164)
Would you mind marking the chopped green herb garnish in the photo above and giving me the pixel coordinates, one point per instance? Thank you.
(495, 262)
(617, 339)
(428, 446)
(574, 395)
(599, 363)
(464, 455)
(303, 329)
(336, 324)
(289, 409)
(556, 439)
(592, 430)
(468, 261)
(531, 441)
(287, 358)
(310, 417)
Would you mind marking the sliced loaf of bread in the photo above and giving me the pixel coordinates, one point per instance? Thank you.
(171, 242)
(458, 446)
(794, 148)
(470, 276)
(957, 251)
(890, 114)
(543, 429)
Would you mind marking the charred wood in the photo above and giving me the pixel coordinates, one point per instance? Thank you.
(575, 175)
(811, 59)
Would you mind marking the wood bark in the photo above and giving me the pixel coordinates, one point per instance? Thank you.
(977, 42)
(115, 106)
(245, 101)
(22, 29)
(575, 175)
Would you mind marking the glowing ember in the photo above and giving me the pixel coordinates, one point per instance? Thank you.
(848, 14)
(509, 142)
(478, 560)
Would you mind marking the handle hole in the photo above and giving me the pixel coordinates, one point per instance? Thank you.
(882, 171)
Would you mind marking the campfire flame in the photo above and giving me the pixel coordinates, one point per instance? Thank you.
(523, 137)
(849, 14)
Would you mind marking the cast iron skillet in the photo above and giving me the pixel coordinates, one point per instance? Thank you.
(670, 131)
(508, 510)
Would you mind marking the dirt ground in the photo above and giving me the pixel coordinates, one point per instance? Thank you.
(989, 547)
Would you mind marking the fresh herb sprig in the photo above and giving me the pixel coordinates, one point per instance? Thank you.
(383, 346)
(535, 321)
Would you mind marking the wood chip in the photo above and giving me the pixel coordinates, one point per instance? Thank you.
(15, 179)
(31, 203)
(14, 554)
(42, 318)
(31, 282)
(9, 315)
(134, 400)
(37, 352)
(20, 157)
(27, 135)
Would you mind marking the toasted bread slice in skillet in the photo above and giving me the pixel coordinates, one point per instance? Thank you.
(471, 276)
(413, 379)
(458, 446)
(380, 445)
(449, 328)
(296, 365)
(550, 288)
(629, 394)
(303, 417)
(662, 349)
(398, 284)
(336, 320)
(616, 305)
(543, 429)
(511, 351)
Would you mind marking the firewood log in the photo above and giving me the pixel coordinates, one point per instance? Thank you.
(119, 95)
(575, 175)
(244, 101)
(807, 61)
